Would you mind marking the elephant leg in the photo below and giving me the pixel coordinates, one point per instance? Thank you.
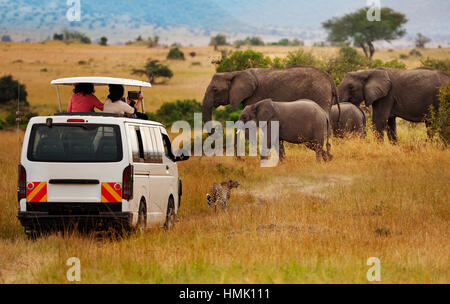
(315, 147)
(392, 130)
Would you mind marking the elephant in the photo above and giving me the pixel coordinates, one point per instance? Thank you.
(352, 120)
(394, 93)
(300, 121)
(252, 85)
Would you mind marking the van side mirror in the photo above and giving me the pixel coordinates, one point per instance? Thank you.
(182, 155)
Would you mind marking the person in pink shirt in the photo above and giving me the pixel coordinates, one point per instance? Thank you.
(83, 99)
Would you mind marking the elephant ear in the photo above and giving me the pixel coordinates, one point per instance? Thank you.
(377, 86)
(264, 110)
(242, 86)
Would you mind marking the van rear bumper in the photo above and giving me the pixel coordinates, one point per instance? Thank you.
(65, 214)
(44, 220)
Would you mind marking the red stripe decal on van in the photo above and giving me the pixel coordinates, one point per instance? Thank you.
(111, 192)
(36, 192)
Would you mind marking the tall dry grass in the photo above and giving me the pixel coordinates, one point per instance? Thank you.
(299, 222)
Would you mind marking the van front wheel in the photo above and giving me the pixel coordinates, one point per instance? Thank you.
(170, 216)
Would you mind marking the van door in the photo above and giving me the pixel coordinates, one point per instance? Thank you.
(159, 174)
(171, 166)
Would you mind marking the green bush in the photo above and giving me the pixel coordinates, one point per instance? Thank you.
(300, 58)
(440, 122)
(253, 41)
(171, 112)
(175, 54)
(239, 61)
(287, 42)
(225, 113)
(403, 56)
(393, 64)
(10, 120)
(348, 60)
(438, 64)
(415, 52)
(9, 89)
(103, 41)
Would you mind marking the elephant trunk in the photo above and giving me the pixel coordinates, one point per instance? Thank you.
(207, 107)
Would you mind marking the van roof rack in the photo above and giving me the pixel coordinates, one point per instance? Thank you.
(88, 114)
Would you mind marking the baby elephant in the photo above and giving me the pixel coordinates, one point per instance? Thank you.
(301, 121)
(220, 194)
(352, 120)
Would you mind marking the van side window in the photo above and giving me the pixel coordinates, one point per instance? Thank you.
(140, 143)
(168, 147)
(153, 147)
(136, 144)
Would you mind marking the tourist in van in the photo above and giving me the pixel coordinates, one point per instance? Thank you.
(115, 102)
(83, 99)
(136, 105)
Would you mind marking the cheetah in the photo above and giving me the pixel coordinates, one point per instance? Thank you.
(220, 193)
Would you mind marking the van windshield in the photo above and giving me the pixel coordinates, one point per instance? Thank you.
(75, 143)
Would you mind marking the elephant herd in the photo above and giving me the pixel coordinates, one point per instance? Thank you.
(308, 105)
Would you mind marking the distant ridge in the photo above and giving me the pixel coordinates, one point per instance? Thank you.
(194, 21)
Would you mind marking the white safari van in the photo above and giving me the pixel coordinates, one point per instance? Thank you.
(97, 169)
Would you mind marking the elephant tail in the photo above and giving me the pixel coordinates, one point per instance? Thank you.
(335, 100)
(329, 156)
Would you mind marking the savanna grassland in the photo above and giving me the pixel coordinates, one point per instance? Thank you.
(301, 222)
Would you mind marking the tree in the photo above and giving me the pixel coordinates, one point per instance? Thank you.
(103, 41)
(218, 40)
(355, 28)
(57, 36)
(153, 42)
(10, 90)
(6, 38)
(154, 69)
(421, 40)
(175, 54)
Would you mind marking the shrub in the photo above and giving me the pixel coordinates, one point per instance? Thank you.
(301, 58)
(103, 41)
(421, 40)
(287, 42)
(440, 122)
(438, 64)
(403, 56)
(57, 36)
(348, 60)
(75, 36)
(10, 120)
(9, 90)
(6, 38)
(394, 64)
(171, 112)
(415, 52)
(239, 61)
(218, 40)
(254, 41)
(153, 69)
(175, 54)
(225, 113)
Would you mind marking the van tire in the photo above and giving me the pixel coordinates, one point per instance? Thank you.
(171, 215)
(142, 217)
